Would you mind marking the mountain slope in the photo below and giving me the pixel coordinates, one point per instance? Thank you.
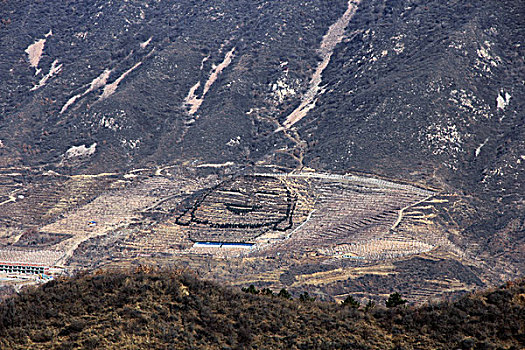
(422, 91)
(176, 310)
(432, 90)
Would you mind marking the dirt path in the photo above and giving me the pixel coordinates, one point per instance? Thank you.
(402, 211)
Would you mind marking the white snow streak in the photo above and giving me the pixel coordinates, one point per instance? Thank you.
(69, 103)
(81, 151)
(146, 43)
(34, 52)
(478, 150)
(98, 82)
(503, 102)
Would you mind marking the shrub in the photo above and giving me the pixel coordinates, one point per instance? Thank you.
(395, 300)
(350, 301)
(251, 289)
(266, 291)
(370, 305)
(283, 293)
(305, 297)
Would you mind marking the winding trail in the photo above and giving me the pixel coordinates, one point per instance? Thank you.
(402, 211)
(330, 40)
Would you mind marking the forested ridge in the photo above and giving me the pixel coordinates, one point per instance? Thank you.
(162, 309)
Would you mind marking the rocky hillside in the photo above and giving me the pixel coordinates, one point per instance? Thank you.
(157, 310)
(424, 91)
(134, 82)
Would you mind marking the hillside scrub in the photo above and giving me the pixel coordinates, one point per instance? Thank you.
(175, 309)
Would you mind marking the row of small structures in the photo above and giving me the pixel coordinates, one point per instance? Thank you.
(13, 261)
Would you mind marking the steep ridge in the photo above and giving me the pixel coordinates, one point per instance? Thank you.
(426, 98)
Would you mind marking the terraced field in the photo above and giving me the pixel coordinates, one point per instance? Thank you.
(278, 229)
(343, 216)
(282, 214)
(350, 211)
(239, 210)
